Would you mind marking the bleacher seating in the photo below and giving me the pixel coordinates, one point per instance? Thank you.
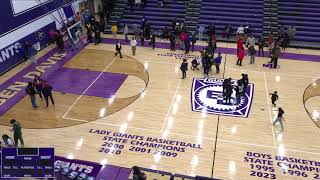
(233, 12)
(305, 15)
(157, 16)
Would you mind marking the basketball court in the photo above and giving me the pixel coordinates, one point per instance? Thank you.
(137, 111)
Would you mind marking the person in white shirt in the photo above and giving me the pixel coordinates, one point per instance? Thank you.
(8, 142)
(125, 32)
(133, 44)
(240, 30)
(138, 3)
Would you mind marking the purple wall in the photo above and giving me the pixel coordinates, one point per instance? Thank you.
(12, 57)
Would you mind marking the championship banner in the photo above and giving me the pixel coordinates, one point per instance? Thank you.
(206, 95)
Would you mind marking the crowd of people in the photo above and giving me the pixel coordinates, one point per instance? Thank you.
(42, 88)
(240, 89)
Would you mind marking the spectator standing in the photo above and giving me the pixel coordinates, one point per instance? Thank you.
(89, 35)
(142, 39)
(251, 41)
(261, 45)
(118, 49)
(125, 32)
(47, 92)
(270, 41)
(181, 40)
(239, 44)
(114, 30)
(245, 80)
(38, 84)
(240, 31)
(187, 44)
(133, 44)
(33, 53)
(174, 23)
(153, 41)
(22, 53)
(97, 36)
(147, 31)
(193, 40)
(252, 52)
(200, 32)
(240, 55)
(32, 93)
(59, 40)
(275, 55)
(17, 133)
(291, 32)
(172, 42)
(227, 31)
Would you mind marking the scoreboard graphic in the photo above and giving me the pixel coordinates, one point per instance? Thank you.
(27, 162)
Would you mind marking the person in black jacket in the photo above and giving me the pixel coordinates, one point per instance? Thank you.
(153, 41)
(46, 91)
(97, 32)
(274, 98)
(193, 40)
(142, 39)
(245, 81)
(229, 91)
(32, 93)
(184, 68)
(172, 42)
(118, 49)
(89, 35)
(137, 174)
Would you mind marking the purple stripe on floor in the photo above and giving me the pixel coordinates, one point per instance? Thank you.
(76, 81)
(111, 172)
(284, 55)
(44, 67)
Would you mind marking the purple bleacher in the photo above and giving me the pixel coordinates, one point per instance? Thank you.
(158, 17)
(233, 12)
(305, 15)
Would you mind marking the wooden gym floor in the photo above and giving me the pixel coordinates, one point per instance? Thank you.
(153, 101)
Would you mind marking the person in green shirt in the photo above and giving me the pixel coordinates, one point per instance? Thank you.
(17, 133)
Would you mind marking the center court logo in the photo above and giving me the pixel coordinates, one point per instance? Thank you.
(207, 96)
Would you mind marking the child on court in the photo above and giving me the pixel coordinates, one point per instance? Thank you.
(274, 98)
(280, 118)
